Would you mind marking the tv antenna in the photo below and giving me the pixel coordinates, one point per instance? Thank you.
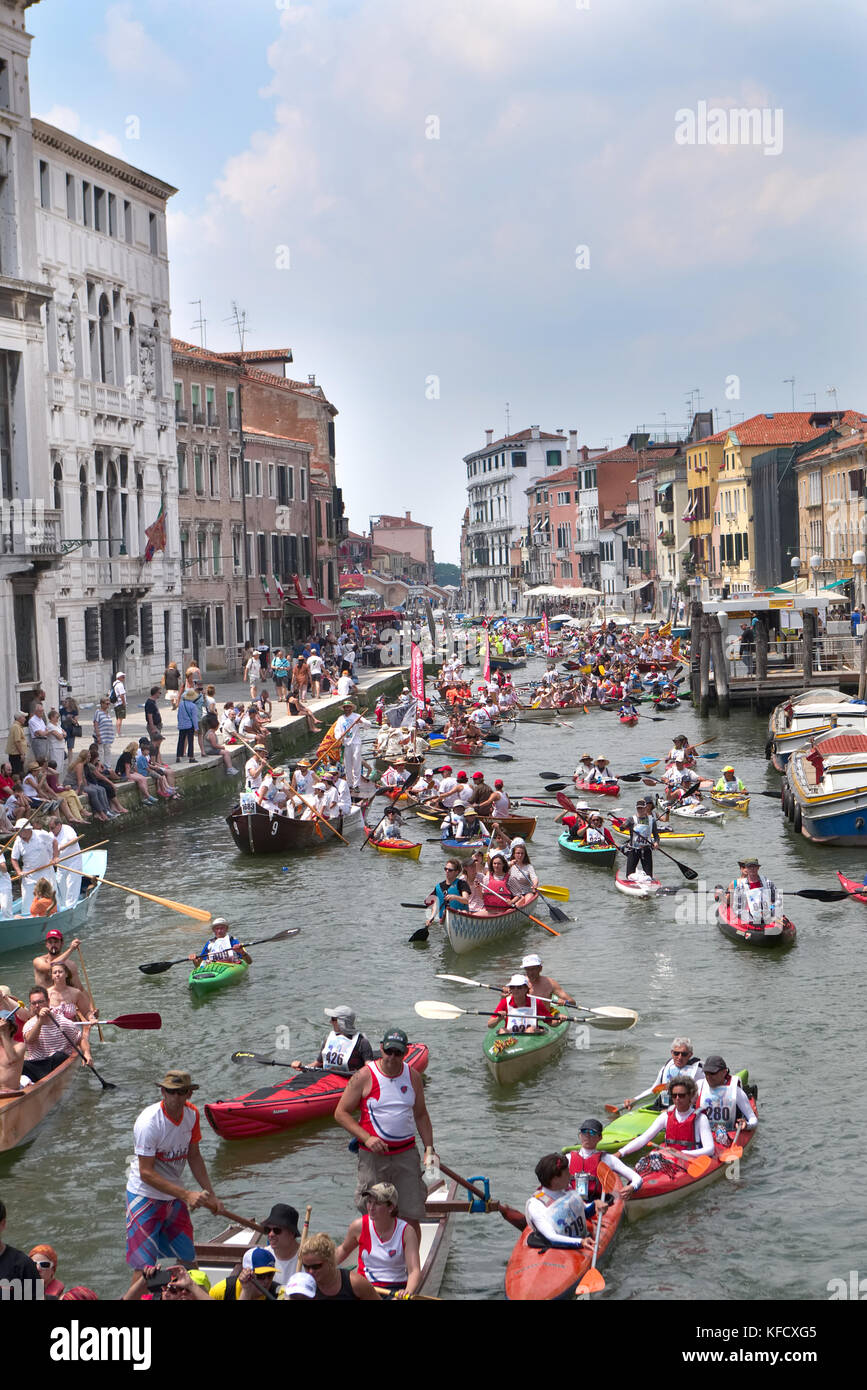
(239, 319)
(201, 323)
(790, 381)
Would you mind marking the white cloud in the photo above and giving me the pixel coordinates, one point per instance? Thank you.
(110, 143)
(63, 117)
(131, 50)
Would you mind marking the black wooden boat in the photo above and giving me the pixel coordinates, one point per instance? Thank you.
(256, 832)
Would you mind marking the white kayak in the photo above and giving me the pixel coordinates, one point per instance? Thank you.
(697, 813)
(639, 886)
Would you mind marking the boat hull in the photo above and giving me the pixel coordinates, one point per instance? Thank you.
(701, 814)
(782, 933)
(599, 788)
(467, 931)
(673, 839)
(640, 889)
(259, 833)
(398, 849)
(732, 801)
(17, 932)
(462, 849)
(20, 1114)
(512, 1056)
(523, 826)
(295, 1101)
(858, 890)
(587, 854)
(550, 1273)
(659, 1190)
(538, 716)
(629, 719)
(208, 977)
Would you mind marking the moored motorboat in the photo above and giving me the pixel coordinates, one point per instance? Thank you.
(257, 832)
(587, 854)
(540, 1272)
(825, 791)
(468, 930)
(641, 887)
(19, 931)
(780, 932)
(303, 1096)
(216, 974)
(22, 1111)
(512, 1056)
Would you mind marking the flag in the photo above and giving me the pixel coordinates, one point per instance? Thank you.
(675, 649)
(156, 534)
(665, 630)
(266, 590)
(545, 633)
(298, 592)
(486, 663)
(279, 587)
(416, 672)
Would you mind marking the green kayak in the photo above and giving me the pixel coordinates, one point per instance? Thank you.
(634, 1122)
(590, 854)
(205, 978)
(512, 1056)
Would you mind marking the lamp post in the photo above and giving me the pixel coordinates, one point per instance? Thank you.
(815, 566)
(795, 562)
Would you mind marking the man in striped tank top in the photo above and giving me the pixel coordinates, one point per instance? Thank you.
(390, 1096)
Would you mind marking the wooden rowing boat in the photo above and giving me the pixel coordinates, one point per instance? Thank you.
(17, 931)
(22, 1111)
(256, 832)
(468, 930)
(528, 715)
(512, 1056)
(523, 826)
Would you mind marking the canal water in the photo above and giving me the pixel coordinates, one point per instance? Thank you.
(782, 1230)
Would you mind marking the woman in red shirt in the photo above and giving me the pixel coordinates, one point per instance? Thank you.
(496, 892)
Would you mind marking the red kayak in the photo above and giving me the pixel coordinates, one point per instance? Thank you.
(780, 933)
(858, 890)
(659, 1189)
(629, 718)
(599, 788)
(303, 1096)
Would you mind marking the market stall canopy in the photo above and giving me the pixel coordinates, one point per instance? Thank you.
(384, 615)
(543, 591)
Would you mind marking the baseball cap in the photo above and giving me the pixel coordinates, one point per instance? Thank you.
(259, 1261)
(714, 1063)
(478, 776)
(749, 862)
(594, 1125)
(531, 960)
(395, 1037)
(445, 768)
(341, 1011)
(728, 768)
(498, 782)
(54, 935)
(300, 1285)
(462, 777)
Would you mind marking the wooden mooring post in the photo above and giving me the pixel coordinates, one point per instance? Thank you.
(720, 665)
(695, 651)
(704, 668)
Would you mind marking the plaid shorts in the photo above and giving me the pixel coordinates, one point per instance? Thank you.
(157, 1230)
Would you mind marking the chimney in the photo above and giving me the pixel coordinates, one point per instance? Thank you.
(572, 451)
(534, 432)
(311, 380)
(489, 438)
(408, 516)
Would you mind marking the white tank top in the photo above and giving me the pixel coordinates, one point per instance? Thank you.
(382, 1262)
(388, 1111)
(337, 1049)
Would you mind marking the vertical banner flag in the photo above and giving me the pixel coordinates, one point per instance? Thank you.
(266, 590)
(416, 672)
(281, 593)
(486, 663)
(156, 534)
(545, 632)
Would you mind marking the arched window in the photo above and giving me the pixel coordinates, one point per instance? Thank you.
(58, 486)
(106, 344)
(139, 507)
(115, 525)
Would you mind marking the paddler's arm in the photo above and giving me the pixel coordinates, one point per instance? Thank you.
(349, 1242)
(192, 1198)
(558, 993)
(750, 1118)
(498, 1015)
(627, 1174)
(643, 1139)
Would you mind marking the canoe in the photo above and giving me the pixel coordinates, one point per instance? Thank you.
(468, 930)
(463, 849)
(543, 1273)
(735, 801)
(402, 849)
(676, 839)
(589, 854)
(634, 1122)
(523, 826)
(216, 974)
(512, 1056)
(702, 813)
(642, 888)
(780, 933)
(858, 890)
(486, 749)
(258, 833)
(17, 932)
(301, 1097)
(629, 718)
(21, 1112)
(526, 715)
(599, 788)
(218, 1257)
(663, 704)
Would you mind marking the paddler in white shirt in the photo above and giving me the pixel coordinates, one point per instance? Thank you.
(555, 1210)
(303, 778)
(721, 1096)
(222, 946)
(752, 896)
(681, 1063)
(519, 1011)
(345, 1048)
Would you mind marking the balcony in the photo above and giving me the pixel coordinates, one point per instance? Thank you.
(585, 545)
(181, 416)
(233, 419)
(667, 505)
(198, 415)
(213, 419)
(30, 532)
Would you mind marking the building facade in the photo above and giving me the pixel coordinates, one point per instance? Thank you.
(832, 506)
(412, 538)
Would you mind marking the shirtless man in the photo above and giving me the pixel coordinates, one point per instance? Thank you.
(55, 955)
(11, 1055)
(544, 986)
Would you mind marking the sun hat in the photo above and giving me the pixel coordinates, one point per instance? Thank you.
(517, 980)
(176, 1080)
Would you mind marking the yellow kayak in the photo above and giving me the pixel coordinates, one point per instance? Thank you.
(405, 849)
(736, 801)
(685, 840)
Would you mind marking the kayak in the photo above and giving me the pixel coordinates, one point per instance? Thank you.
(303, 1096)
(661, 1188)
(737, 801)
(635, 1121)
(677, 839)
(599, 788)
(463, 849)
(664, 704)
(512, 1056)
(703, 813)
(779, 933)
(215, 974)
(858, 890)
(590, 854)
(636, 888)
(404, 849)
(629, 718)
(540, 1272)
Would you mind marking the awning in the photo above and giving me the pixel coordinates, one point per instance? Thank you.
(319, 612)
(837, 583)
(636, 588)
(665, 487)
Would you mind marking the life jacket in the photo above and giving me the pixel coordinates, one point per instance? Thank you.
(680, 1134)
(497, 894)
(566, 1210)
(586, 1168)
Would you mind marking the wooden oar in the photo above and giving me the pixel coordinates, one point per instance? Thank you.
(617, 1017)
(198, 913)
(85, 849)
(301, 798)
(89, 990)
(523, 911)
(304, 1230)
(158, 967)
(511, 1214)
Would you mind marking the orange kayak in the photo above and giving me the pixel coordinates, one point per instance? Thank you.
(546, 1272)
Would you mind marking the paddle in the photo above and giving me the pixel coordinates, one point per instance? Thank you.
(691, 874)
(555, 913)
(553, 787)
(616, 1110)
(449, 1013)
(146, 1022)
(198, 913)
(510, 1214)
(551, 776)
(617, 1018)
(735, 1150)
(158, 967)
(268, 1062)
(90, 991)
(553, 890)
(28, 873)
(593, 1281)
(524, 913)
(106, 1085)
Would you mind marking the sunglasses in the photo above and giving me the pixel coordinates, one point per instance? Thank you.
(274, 1230)
(393, 1051)
(43, 1264)
(680, 1052)
(591, 1131)
(680, 1095)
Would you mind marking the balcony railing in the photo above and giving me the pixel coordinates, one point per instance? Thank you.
(585, 545)
(213, 418)
(30, 530)
(233, 419)
(198, 415)
(181, 416)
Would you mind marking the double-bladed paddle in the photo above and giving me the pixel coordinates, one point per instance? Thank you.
(612, 1016)
(157, 967)
(616, 1110)
(269, 1062)
(448, 1013)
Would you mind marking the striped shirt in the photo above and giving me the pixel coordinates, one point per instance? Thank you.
(104, 726)
(52, 1037)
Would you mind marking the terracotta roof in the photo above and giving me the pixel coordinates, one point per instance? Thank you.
(624, 455)
(182, 349)
(837, 446)
(285, 438)
(788, 427)
(260, 355)
(389, 523)
(522, 437)
(563, 475)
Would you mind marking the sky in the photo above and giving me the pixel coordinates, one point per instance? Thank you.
(445, 206)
